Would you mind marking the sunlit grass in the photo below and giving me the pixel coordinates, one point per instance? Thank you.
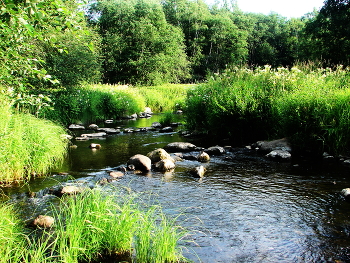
(30, 146)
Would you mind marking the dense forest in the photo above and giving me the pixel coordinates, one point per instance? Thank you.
(47, 44)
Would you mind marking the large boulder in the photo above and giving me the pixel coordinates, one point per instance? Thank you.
(140, 162)
(158, 155)
(268, 146)
(165, 165)
(180, 147)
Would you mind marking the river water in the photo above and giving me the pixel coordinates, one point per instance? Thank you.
(245, 209)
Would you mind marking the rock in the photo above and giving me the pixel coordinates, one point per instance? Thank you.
(116, 174)
(156, 125)
(94, 135)
(82, 138)
(140, 162)
(268, 146)
(179, 112)
(346, 193)
(109, 130)
(109, 121)
(44, 221)
(66, 137)
(215, 150)
(144, 115)
(71, 190)
(190, 157)
(133, 116)
(175, 124)
(166, 129)
(198, 172)
(93, 127)
(128, 130)
(279, 155)
(148, 110)
(73, 146)
(203, 157)
(180, 147)
(165, 165)
(95, 146)
(76, 127)
(158, 155)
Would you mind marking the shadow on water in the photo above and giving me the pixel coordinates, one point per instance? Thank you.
(246, 208)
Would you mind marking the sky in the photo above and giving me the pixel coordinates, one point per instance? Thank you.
(286, 8)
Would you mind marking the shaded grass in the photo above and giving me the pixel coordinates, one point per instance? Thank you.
(30, 146)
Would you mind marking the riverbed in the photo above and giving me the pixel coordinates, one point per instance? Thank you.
(246, 208)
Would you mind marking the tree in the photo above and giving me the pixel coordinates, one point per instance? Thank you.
(330, 31)
(139, 45)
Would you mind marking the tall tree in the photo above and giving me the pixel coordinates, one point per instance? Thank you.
(330, 31)
(139, 45)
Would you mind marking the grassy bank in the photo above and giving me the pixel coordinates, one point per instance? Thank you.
(94, 225)
(310, 106)
(30, 146)
(101, 102)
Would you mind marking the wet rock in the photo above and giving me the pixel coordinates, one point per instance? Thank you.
(189, 157)
(109, 130)
(198, 172)
(158, 155)
(116, 174)
(76, 127)
(215, 150)
(82, 138)
(165, 165)
(109, 121)
(156, 125)
(166, 129)
(128, 130)
(71, 190)
(144, 115)
(180, 147)
(268, 146)
(66, 137)
(95, 146)
(44, 221)
(279, 155)
(140, 162)
(93, 127)
(346, 193)
(94, 135)
(203, 157)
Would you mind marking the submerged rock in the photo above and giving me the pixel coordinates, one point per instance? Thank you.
(180, 147)
(215, 150)
(140, 162)
(203, 157)
(95, 146)
(268, 146)
(198, 172)
(279, 155)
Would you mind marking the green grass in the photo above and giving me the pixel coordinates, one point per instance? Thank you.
(30, 146)
(92, 225)
(310, 106)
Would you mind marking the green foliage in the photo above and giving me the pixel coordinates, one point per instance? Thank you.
(139, 45)
(308, 106)
(30, 146)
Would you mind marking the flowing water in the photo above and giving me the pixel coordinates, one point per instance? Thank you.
(245, 209)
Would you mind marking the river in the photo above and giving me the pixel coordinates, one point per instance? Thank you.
(245, 209)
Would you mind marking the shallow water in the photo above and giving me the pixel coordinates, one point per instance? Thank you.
(245, 209)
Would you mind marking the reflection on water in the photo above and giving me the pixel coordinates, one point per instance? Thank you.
(246, 209)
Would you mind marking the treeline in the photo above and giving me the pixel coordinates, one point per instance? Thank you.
(60, 42)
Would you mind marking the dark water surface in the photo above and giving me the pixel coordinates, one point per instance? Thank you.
(246, 209)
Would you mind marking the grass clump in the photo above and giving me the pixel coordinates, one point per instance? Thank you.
(310, 106)
(92, 226)
(30, 146)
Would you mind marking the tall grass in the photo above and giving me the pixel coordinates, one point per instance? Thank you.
(92, 225)
(30, 146)
(309, 106)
